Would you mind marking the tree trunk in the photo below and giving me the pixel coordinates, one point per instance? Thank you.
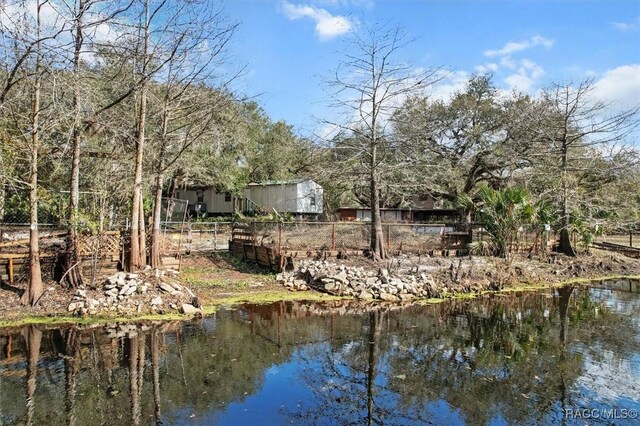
(34, 287)
(155, 232)
(142, 234)
(376, 247)
(73, 271)
(565, 237)
(157, 205)
(136, 261)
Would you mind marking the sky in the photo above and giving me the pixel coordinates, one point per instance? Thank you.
(289, 46)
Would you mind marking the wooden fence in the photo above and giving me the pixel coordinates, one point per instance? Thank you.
(244, 243)
(99, 253)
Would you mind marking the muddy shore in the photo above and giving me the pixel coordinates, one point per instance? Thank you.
(220, 279)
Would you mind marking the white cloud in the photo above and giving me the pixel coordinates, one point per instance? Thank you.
(518, 46)
(57, 23)
(486, 68)
(367, 4)
(327, 26)
(507, 62)
(627, 26)
(453, 82)
(525, 78)
(620, 86)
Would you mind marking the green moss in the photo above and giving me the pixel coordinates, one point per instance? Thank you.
(55, 320)
(273, 296)
(220, 283)
(531, 286)
(430, 301)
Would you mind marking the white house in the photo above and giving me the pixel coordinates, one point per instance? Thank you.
(302, 197)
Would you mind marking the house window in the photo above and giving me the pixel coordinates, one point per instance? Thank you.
(200, 195)
(227, 197)
(313, 201)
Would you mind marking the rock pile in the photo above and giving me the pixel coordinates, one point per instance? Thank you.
(357, 282)
(128, 293)
(81, 304)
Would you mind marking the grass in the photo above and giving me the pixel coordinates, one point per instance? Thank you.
(227, 272)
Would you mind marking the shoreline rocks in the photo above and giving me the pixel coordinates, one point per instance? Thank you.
(367, 284)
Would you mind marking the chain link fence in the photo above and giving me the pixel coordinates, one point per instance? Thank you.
(179, 237)
(97, 211)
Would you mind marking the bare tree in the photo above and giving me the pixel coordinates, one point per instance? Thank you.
(575, 124)
(34, 288)
(368, 85)
(188, 112)
(31, 38)
(137, 255)
(79, 12)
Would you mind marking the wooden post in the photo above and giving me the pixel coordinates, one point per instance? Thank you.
(333, 236)
(279, 238)
(10, 268)
(253, 231)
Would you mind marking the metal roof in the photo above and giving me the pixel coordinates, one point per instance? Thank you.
(279, 182)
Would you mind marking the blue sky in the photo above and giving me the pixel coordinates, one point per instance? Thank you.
(289, 45)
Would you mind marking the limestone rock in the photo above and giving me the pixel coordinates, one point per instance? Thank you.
(365, 295)
(167, 288)
(189, 309)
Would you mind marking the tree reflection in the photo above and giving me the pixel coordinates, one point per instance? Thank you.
(155, 370)
(516, 357)
(71, 349)
(33, 337)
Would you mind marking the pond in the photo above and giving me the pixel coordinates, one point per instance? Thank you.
(569, 355)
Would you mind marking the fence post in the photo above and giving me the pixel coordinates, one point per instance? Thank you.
(10, 270)
(215, 235)
(279, 238)
(333, 236)
(388, 237)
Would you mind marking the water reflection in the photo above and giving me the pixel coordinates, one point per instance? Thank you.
(520, 358)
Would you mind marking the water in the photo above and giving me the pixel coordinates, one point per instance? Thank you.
(518, 358)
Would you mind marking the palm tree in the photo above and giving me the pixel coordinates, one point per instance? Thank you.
(504, 213)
